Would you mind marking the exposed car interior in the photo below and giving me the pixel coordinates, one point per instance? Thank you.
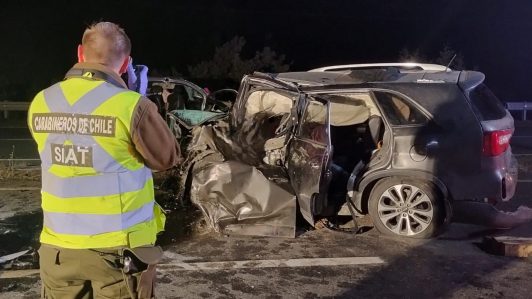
(170, 96)
(179, 99)
(271, 109)
(184, 105)
(398, 110)
(357, 129)
(356, 132)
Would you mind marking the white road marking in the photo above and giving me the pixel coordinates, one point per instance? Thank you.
(281, 263)
(289, 263)
(178, 257)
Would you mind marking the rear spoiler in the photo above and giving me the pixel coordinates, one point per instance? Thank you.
(470, 79)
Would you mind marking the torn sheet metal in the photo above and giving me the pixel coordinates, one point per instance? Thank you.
(235, 189)
(237, 198)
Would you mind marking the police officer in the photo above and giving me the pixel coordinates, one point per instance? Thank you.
(98, 142)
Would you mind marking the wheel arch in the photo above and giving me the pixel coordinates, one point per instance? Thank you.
(367, 183)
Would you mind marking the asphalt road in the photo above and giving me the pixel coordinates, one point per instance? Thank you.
(320, 263)
(214, 266)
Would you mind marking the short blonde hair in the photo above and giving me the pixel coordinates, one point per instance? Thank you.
(105, 43)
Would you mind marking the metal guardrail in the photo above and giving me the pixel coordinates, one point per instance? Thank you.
(6, 106)
(23, 106)
(523, 107)
(14, 106)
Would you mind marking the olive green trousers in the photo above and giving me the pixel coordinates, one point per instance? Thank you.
(80, 273)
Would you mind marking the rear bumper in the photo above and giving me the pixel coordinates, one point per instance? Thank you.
(500, 175)
(495, 182)
(510, 179)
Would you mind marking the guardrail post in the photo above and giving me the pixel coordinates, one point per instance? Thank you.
(6, 113)
(519, 108)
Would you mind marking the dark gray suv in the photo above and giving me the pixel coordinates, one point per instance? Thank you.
(402, 143)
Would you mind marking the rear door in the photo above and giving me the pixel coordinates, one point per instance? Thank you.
(415, 140)
(309, 156)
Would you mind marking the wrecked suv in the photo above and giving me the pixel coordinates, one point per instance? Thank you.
(401, 143)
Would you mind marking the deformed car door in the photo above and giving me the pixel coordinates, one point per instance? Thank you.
(309, 154)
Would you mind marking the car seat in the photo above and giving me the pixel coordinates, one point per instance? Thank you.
(375, 130)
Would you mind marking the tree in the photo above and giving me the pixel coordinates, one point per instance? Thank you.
(444, 57)
(447, 54)
(406, 55)
(228, 63)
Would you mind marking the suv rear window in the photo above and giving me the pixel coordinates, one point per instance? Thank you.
(399, 111)
(485, 104)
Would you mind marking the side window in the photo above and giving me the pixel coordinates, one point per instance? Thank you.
(485, 104)
(314, 125)
(194, 99)
(399, 111)
(194, 93)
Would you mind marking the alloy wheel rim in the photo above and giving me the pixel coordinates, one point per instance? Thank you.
(405, 210)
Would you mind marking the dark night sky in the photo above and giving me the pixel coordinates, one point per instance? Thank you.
(39, 39)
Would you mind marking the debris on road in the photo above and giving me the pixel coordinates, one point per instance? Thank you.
(522, 215)
(508, 246)
(25, 259)
(275, 263)
(9, 257)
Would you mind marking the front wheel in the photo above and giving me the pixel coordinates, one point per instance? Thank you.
(407, 208)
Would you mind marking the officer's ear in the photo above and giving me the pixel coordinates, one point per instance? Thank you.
(81, 57)
(125, 63)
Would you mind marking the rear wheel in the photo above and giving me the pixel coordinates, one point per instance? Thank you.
(407, 208)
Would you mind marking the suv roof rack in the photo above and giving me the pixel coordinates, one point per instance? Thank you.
(414, 66)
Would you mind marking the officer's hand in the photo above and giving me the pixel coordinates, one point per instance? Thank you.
(142, 74)
(137, 78)
(131, 76)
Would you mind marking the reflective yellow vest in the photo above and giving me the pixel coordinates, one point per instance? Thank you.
(96, 191)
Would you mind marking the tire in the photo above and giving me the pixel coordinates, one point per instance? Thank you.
(391, 209)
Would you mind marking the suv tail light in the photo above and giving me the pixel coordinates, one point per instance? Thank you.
(496, 142)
